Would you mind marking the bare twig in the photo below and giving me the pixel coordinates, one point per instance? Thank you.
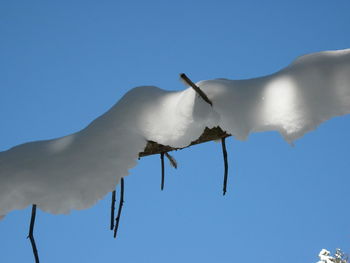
(196, 88)
(31, 236)
(171, 160)
(112, 209)
(121, 202)
(162, 165)
(224, 152)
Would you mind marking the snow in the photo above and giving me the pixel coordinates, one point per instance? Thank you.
(75, 171)
(292, 101)
(325, 257)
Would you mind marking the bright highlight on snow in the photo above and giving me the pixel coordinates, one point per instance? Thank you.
(76, 171)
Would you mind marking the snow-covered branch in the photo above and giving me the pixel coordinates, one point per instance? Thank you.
(75, 171)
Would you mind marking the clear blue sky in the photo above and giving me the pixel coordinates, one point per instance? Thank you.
(64, 63)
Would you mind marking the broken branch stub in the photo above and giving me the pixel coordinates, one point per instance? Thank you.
(171, 159)
(196, 88)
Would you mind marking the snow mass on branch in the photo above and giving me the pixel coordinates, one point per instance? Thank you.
(75, 171)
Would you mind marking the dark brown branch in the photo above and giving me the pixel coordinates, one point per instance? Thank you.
(171, 160)
(31, 236)
(196, 88)
(112, 209)
(162, 165)
(224, 152)
(121, 202)
(211, 134)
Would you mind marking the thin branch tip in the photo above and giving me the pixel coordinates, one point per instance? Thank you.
(162, 170)
(171, 159)
(224, 153)
(31, 234)
(112, 209)
(196, 88)
(121, 202)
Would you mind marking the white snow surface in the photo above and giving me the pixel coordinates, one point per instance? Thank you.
(325, 257)
(75, 171)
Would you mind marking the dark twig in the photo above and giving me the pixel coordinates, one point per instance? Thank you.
(112, 210)
(171, 160)
(121, 202)
(224, 152)
(196, 88)
(31, 236)
(162, 164)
